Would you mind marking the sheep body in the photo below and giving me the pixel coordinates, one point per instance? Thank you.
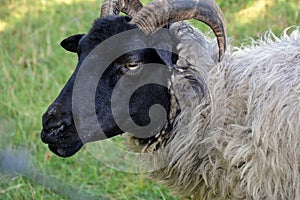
(242, 139)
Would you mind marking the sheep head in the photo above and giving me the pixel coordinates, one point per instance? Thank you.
(59, 130)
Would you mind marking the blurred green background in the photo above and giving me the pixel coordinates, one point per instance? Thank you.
(33, 69)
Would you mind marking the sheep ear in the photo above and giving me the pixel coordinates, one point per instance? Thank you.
(169, 58)
(71, 43)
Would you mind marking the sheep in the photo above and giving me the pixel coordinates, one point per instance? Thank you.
(233, 116)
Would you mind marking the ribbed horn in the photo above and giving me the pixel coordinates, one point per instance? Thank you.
(114, 7)
(108, 8)
(129, 7)
(161, 12)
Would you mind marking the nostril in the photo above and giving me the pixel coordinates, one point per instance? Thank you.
(53, 119)
(52, 136)
(48, 117)
(53, 123)
(48, 122)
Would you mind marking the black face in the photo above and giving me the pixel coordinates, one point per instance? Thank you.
(59, 130)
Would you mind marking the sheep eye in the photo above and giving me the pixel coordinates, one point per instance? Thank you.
(132, 66)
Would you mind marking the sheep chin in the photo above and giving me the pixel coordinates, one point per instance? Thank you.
(65, 150)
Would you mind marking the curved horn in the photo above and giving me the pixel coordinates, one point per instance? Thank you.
(161, 12)
(108, 8)
(114, 7)
(129, 7)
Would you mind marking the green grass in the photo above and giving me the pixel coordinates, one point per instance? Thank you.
(33, 69)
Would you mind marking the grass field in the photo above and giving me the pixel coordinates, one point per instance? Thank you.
(33, 69)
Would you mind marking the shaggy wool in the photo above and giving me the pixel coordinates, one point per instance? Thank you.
(238, 133)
